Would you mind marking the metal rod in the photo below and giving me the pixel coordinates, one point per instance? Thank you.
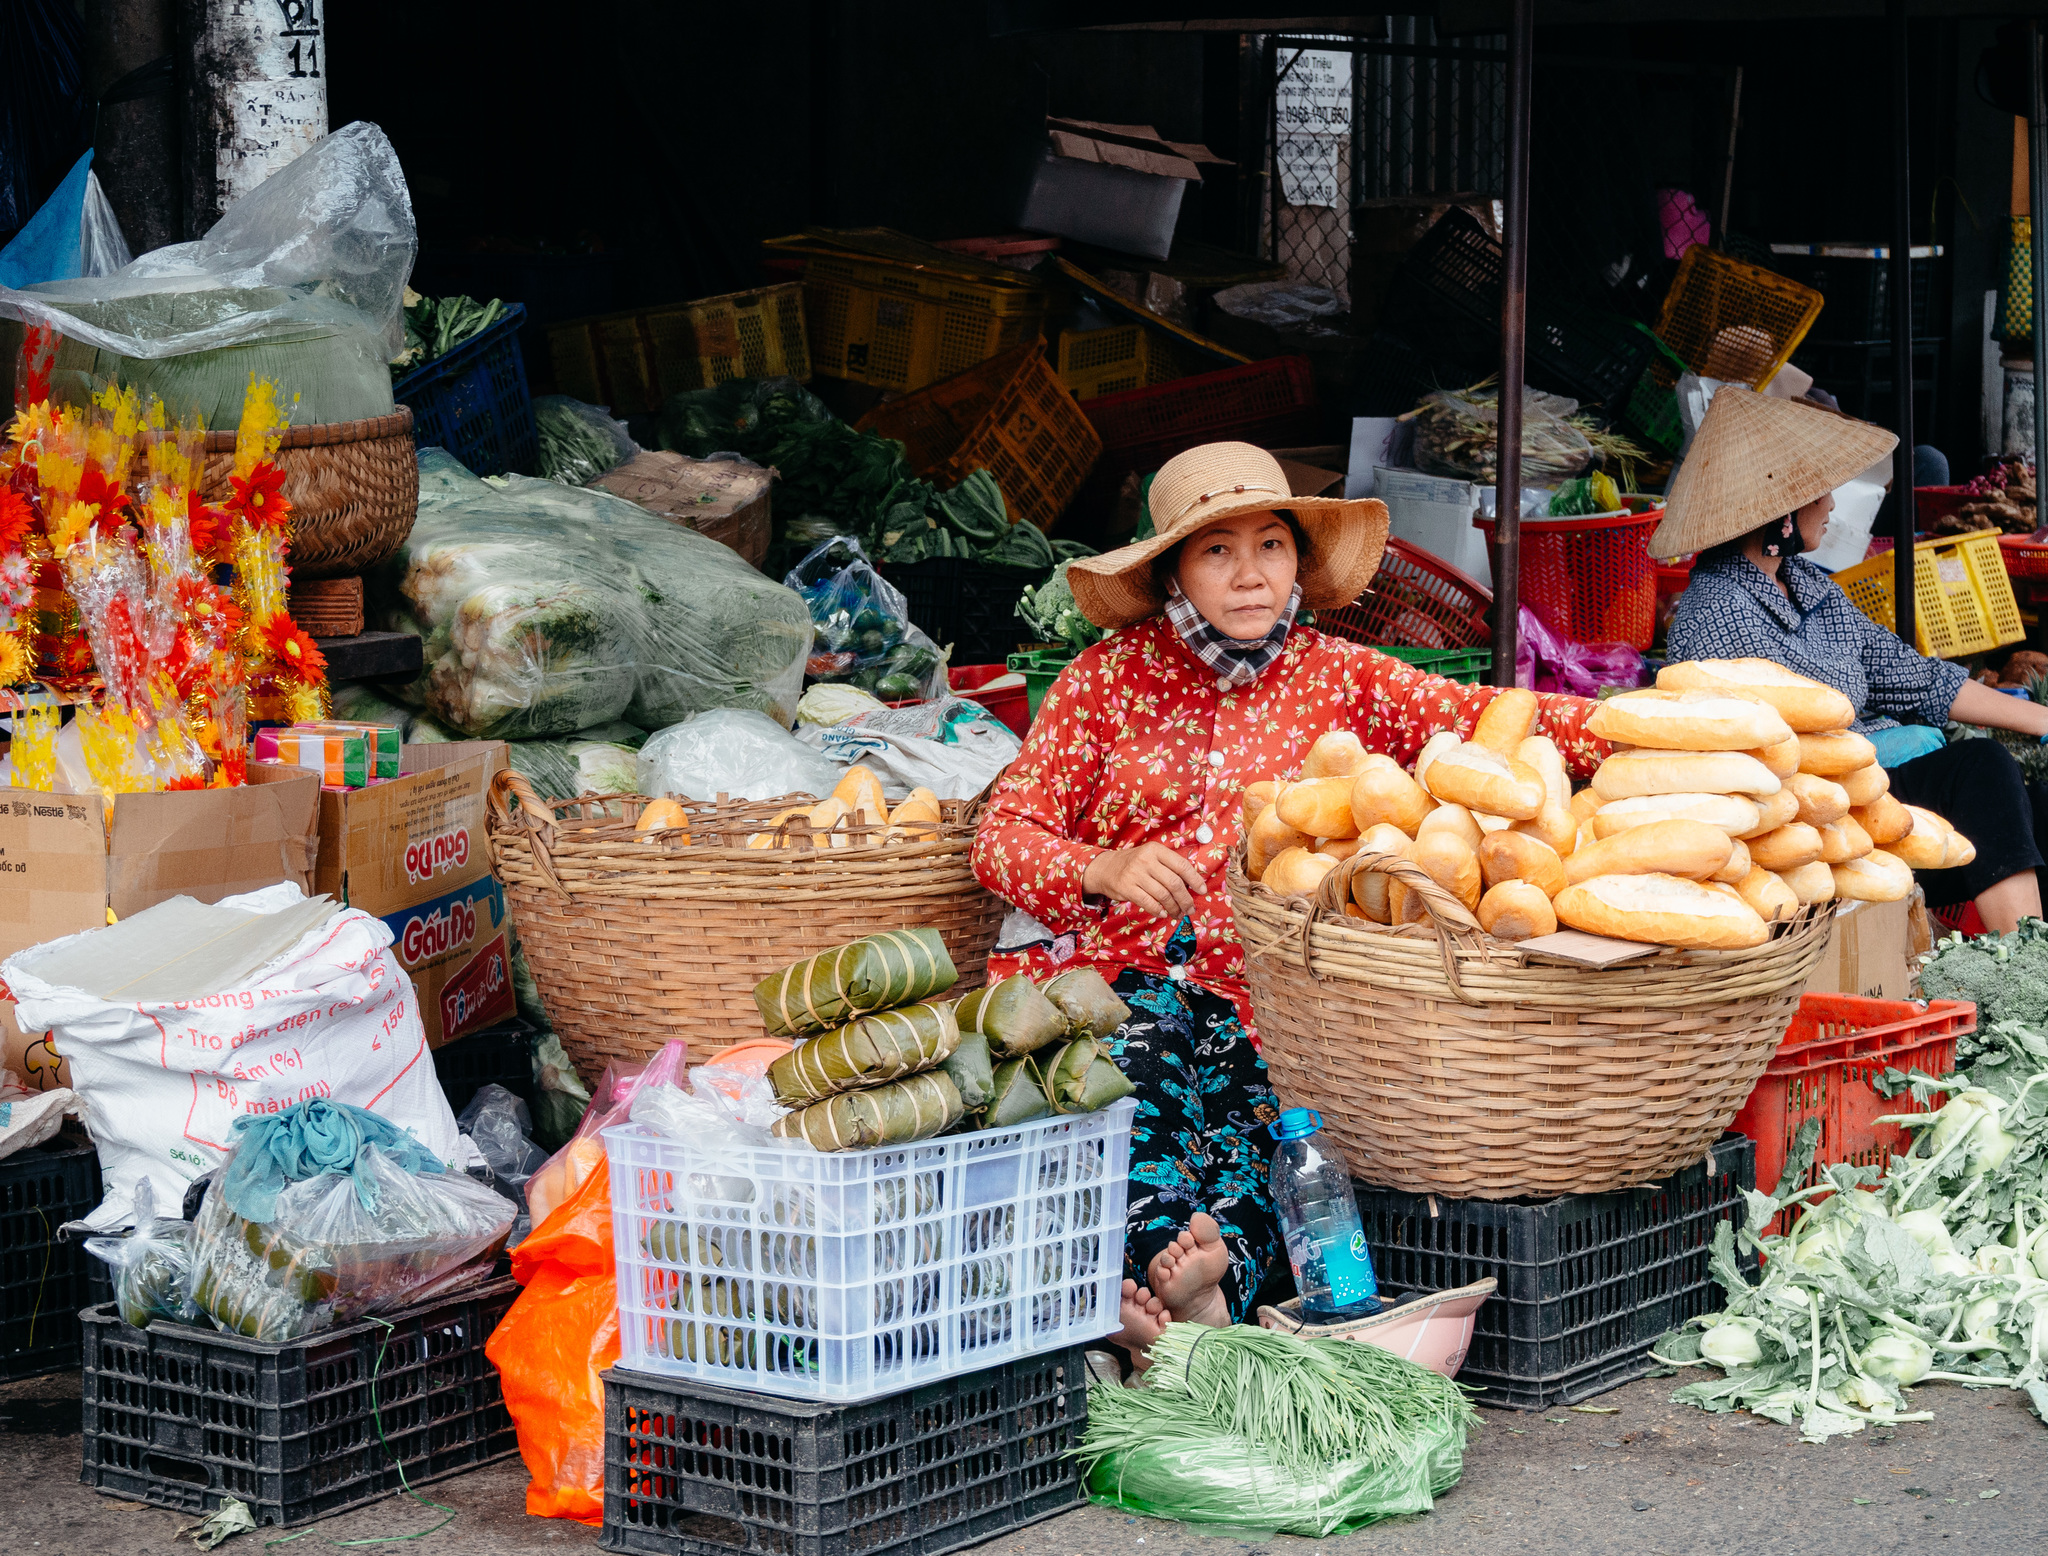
(1514, 317)
(1902, 324)
(1728, 167)
(2037, 203)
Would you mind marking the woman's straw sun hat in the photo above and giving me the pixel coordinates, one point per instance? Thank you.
(1757, 458)
(1218, 481)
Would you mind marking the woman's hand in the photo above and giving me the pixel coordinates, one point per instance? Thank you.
(1978, 704)
(1151, 876)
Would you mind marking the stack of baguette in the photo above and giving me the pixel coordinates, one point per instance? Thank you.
(1736, 794)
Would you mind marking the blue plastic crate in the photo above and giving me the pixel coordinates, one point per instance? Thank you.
(474, 402)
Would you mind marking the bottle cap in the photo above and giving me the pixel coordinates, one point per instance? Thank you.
(1296, 1123)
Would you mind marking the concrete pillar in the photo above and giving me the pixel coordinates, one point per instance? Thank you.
(257, 96)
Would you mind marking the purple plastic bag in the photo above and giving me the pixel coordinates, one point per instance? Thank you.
(1546, 662)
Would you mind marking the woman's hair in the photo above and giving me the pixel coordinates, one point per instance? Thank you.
(1167, 564)
(1733, 548)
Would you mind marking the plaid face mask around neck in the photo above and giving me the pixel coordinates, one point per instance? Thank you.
(1237, 663)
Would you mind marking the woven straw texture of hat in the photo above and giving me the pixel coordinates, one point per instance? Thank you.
(1758, 458)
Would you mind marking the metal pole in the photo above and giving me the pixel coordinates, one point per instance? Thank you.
(1728, 167)
(1514, 314)
(1902, 327)
(2037, 205)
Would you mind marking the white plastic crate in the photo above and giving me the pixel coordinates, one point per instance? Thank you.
(847, 1275)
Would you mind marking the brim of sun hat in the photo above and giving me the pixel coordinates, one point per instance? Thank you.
(1757, 458)
(1346, 536)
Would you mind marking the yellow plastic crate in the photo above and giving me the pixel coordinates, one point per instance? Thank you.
(634, 361)
(1731, 320)
(1109, 361)
(1962, 599)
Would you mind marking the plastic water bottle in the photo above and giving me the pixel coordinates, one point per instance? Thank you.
(1319, 1219)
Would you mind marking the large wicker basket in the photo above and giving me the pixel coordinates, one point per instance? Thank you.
(354, 487)
(1445, 1061)
(637, 940)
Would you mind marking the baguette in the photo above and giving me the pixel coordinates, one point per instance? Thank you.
(1768, 895)
(1451, 863)
(1540, 755)
(1865, 784)
(1337, 754)
(1387, 794)
(1585, 802)
(1630, 773)
(1337, 848)
(1773, 812)
(1268, 837)
(1790, 846)
(1505, 722)
(1841, 841)
(1661, 910)
(1688, 848)
(1820, 801)
(1452, 818)
(1318, 807)
(1369, 887)
(1432, 748)
(1782, 759)
(1876, 877)
(1515, 856)
(1811, 882)
(1732, 813)
(1688, 721)
(1884, 818)
(1960, 851)
(1834, 753)
(1738, 867)
(1552, 826)
(1516, 910)
(1484, 782)
(1295, 872)
(1926, 846)
(1258, 796)
(1805, 704)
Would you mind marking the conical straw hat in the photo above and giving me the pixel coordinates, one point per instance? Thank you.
(1758, 458)
(1217, 481)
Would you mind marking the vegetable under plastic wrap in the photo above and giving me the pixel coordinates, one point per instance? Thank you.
(563, 769)
(878, 1047)
(547, 609)
(150, 1265)
(1085, 998)
(1014, 1015)
(831, 988)
(914, 1108)
(578, 442)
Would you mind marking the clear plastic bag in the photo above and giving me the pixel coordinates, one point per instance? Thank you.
(1456, 435)
(734, 752)
(548, 609)
(864, 634)
(151, 1265)
(578, 442)
(302, 280)
(565, 1172)
(502, 1128)
(563, 769)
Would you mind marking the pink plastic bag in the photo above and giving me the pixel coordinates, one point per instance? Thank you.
(1546, 662)
(563, 1173)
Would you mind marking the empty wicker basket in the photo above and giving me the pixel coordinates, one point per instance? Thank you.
(639, 939)
(1445, 1061)
(354, 487)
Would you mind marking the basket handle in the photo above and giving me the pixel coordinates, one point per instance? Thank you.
(1448, 916)
(508, 785)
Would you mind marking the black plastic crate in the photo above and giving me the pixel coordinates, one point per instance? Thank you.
(692, 1470)
(181, 1417)
(501, 1055)
(972, 605)
(1587, 1281)
(43, 1280)
(1856, 293)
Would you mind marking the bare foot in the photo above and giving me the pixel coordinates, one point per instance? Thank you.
(1188, 1274)
(1144, 1317)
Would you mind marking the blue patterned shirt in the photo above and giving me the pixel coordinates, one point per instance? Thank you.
(1732, 609)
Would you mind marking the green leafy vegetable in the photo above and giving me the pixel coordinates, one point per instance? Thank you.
(1050, 612)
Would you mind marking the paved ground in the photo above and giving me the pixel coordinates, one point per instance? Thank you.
(1649, 1480)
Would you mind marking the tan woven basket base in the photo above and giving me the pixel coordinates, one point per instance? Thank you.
(354, 488)
(1556, 1081)
(329, 607)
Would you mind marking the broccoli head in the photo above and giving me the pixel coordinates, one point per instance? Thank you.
(2005, 976)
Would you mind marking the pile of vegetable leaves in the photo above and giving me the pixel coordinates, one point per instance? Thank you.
(435, 326)
(1937, 1273)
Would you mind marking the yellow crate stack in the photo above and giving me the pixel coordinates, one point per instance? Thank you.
(634, 361)
(1109, 361)
(1962, 599)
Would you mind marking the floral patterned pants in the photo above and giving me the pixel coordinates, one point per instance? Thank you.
(1199, 1141)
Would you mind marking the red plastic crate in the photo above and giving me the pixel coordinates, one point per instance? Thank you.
(1271, 403)
(1415, 600)
(1836, 1046)
(1011, 704)
(2023, 558)
(1672, 577)
(1591, 580)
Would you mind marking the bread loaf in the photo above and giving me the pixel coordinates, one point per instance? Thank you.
(1789, 847)
(1338, 754)
(1540, 755)
(1386, 794)
(1337, 848)
(1865, 784)
(1781, 759)
(1841, 841)
(1811, 882)
(1876, 877)
(1884, 818)
(1257, 796)
(1295, 872)
(1804, 704)
(1820, 800)
(1689, 848)
(1960, 851)
(1319, 807)
(1687, 721)
(1515, 856)
(1732, 813)
(1768, 895)
(1369, 887)
(1552, 826)
(1505, 722)
(1452, 818)
(1451, 863)
(1835, 753)
(1773, 812)
(1432, 748)
(1926, 846)
(1661, 910)
(1738, 867)
(1585, 802)
(1269, 835)
(1516, 910)
(1483, 781)
(1630, 773)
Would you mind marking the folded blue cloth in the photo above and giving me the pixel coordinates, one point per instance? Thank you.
(317, 1136)
(1901, 743)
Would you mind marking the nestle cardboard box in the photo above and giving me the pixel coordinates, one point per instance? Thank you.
(1870, 948)
(65, 864)
(412, 852)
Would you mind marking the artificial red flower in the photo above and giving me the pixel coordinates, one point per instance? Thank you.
(259, 497)
(17, 518)
(292, 651)
(203, 524)
(209, 611)
(189, 781)
(38, 356)
(105, 497)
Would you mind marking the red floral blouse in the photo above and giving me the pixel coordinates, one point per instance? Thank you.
(1134, 744)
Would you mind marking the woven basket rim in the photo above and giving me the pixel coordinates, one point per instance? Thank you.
(327, 433)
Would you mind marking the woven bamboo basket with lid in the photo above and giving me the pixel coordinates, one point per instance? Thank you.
(1445, 1061)
(637, 939)
(354, 487)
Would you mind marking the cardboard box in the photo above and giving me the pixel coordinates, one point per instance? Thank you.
(1434, 512)
(1869, 950)
(64, 866)
(1116, 185)
(412, 852)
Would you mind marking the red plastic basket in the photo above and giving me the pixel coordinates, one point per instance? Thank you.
(2023, 558)
(1837, 1044)
(1591, 580)
(1272, 403)
(1672, 577)
(1415, 601)
(1011, 704)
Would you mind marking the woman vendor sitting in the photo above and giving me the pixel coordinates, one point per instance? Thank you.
(1753, 493)
(1114, 823)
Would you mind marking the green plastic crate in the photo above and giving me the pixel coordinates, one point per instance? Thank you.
(1040, 667)
(1468, 666)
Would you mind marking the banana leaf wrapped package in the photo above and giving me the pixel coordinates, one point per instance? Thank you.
(1019, 1095)
(972, 1071)
(1085, 998)
(879, 1047)
(1082, 1078)
(1014, 1015)
(831, 988)
(914, 1108)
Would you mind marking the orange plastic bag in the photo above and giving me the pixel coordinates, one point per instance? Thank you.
(559, 1335)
